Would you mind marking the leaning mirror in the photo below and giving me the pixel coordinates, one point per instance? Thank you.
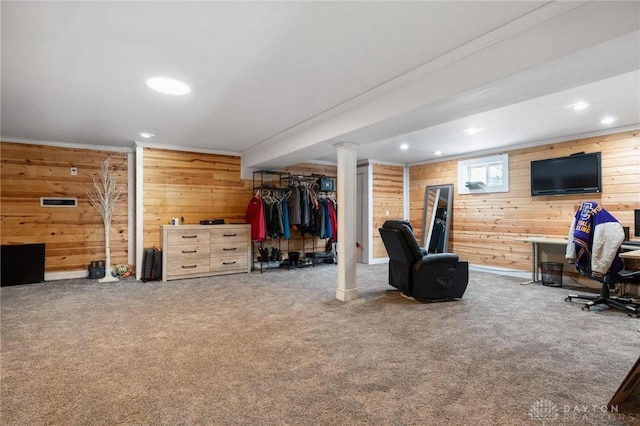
(436, 223)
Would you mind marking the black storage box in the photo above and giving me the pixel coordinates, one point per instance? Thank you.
(96, 269)
(326, 184)
(212, 222)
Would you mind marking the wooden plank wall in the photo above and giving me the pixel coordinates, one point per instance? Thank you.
(73, 237)
(387, 201)
(193, 186)
(441, 173)
(197, 186)
(484, 226)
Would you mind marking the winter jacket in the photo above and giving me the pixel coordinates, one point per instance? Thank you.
(595, 237)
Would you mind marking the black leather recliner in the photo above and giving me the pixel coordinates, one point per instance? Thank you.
(425, 277)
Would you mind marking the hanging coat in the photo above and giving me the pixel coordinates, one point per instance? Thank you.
(255, 217)
(294, 207)
(286, 231)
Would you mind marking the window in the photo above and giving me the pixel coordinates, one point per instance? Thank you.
(488, 174)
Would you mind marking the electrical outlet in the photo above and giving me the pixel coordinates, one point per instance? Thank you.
(387, 212)
(74, 171)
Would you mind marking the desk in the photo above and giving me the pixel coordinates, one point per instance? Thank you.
(635, 254)
(634, 257)
(536, 242)
(535, 252)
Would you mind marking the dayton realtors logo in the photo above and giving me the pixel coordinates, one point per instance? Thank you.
(544, 410)
(547, 412)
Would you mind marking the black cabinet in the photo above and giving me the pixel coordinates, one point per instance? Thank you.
(21, 264)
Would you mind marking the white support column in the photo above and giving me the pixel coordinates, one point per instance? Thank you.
(131, 199)
(347, 287)
(139, 210)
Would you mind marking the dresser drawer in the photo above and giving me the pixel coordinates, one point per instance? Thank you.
(230, 264)
(228, 249)
(226, 235)
(184, 251)
(188, 266)
(177, 236)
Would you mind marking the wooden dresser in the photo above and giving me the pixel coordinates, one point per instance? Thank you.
(190, 251)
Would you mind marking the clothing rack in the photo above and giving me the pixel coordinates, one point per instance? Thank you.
(262, 188)
(272, 188)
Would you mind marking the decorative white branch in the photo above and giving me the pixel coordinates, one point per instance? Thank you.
(103, 197)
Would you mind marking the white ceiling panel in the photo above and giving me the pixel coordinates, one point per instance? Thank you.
(74, 72)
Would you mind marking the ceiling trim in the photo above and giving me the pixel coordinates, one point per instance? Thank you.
(184, 148)
(69, 145)
(386, 163)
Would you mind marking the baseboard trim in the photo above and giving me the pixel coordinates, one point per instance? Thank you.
(347, 295)
(53, 276)
(500, 271)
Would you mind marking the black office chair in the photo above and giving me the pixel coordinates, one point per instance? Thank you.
(609, 282)
(594, 244)
(422, 276)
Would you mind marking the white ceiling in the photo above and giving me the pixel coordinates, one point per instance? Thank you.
(280, 82)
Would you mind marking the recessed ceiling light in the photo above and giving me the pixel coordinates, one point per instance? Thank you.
(437, 153)
(608, 120)
(168, 86)
(579, 106)
(146, 135)
(472, 131)
(404, 146)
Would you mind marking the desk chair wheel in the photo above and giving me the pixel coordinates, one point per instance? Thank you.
(630, 306)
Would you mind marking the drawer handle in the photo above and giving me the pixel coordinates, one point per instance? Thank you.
(189, 251)
(189, 266)
(229, 235)
(227, 249)
(229, 263)
(189, 236)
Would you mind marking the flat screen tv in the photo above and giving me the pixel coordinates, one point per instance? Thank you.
(575, 174)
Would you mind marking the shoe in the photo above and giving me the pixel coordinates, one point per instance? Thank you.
(264, 255)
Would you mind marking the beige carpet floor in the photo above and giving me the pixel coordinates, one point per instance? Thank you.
(278, 349)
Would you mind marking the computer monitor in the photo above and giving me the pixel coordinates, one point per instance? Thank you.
(636, 223)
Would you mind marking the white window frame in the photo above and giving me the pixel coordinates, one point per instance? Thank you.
(467, 185)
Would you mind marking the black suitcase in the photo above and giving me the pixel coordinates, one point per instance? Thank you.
(151, 265)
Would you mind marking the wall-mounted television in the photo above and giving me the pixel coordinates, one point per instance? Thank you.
(575, 174)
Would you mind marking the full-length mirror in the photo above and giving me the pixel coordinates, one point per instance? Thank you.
(438, 202)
